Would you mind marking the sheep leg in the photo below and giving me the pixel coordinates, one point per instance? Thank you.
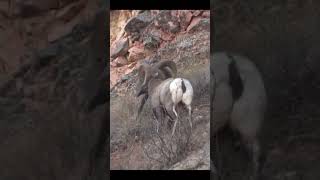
(161, 115)
(170, 115)
(174, 110)
(254, 150)
(176, 120)
(174, 126)
(143, 101)
(190, 115)
(157, 116)
(170, 119)
(168, 111)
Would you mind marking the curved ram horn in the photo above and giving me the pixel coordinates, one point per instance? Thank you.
(169, 68)
(144, 74)
(144, 69)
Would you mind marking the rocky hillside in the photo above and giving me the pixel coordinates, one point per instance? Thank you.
(53, 96)
(282, 38)
(148, 37)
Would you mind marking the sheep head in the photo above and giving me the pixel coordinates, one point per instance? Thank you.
(168, 68)
(161, 70)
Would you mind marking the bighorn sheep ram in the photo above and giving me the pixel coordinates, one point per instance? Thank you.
(165, 91)
(238, 99)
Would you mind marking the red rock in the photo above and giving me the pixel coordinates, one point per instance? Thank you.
(194, 22)
(132, 65)
(137, 43)
(135, 24)
(137, 64)
(113, 64)
(196, 13)
(154, 12)
(114, 76)
(167, 22)
(175, 13)
(206, 14)
(185, 18)
(199, 22)
(166, 36)
(136, 53)
(121, 61)
(188, 17)
(120, 35)
(130, 68)
(118, 19)
(119, 48)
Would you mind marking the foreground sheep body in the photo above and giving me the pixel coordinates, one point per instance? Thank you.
(166, 93)
(239, 100)
(181, 91)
